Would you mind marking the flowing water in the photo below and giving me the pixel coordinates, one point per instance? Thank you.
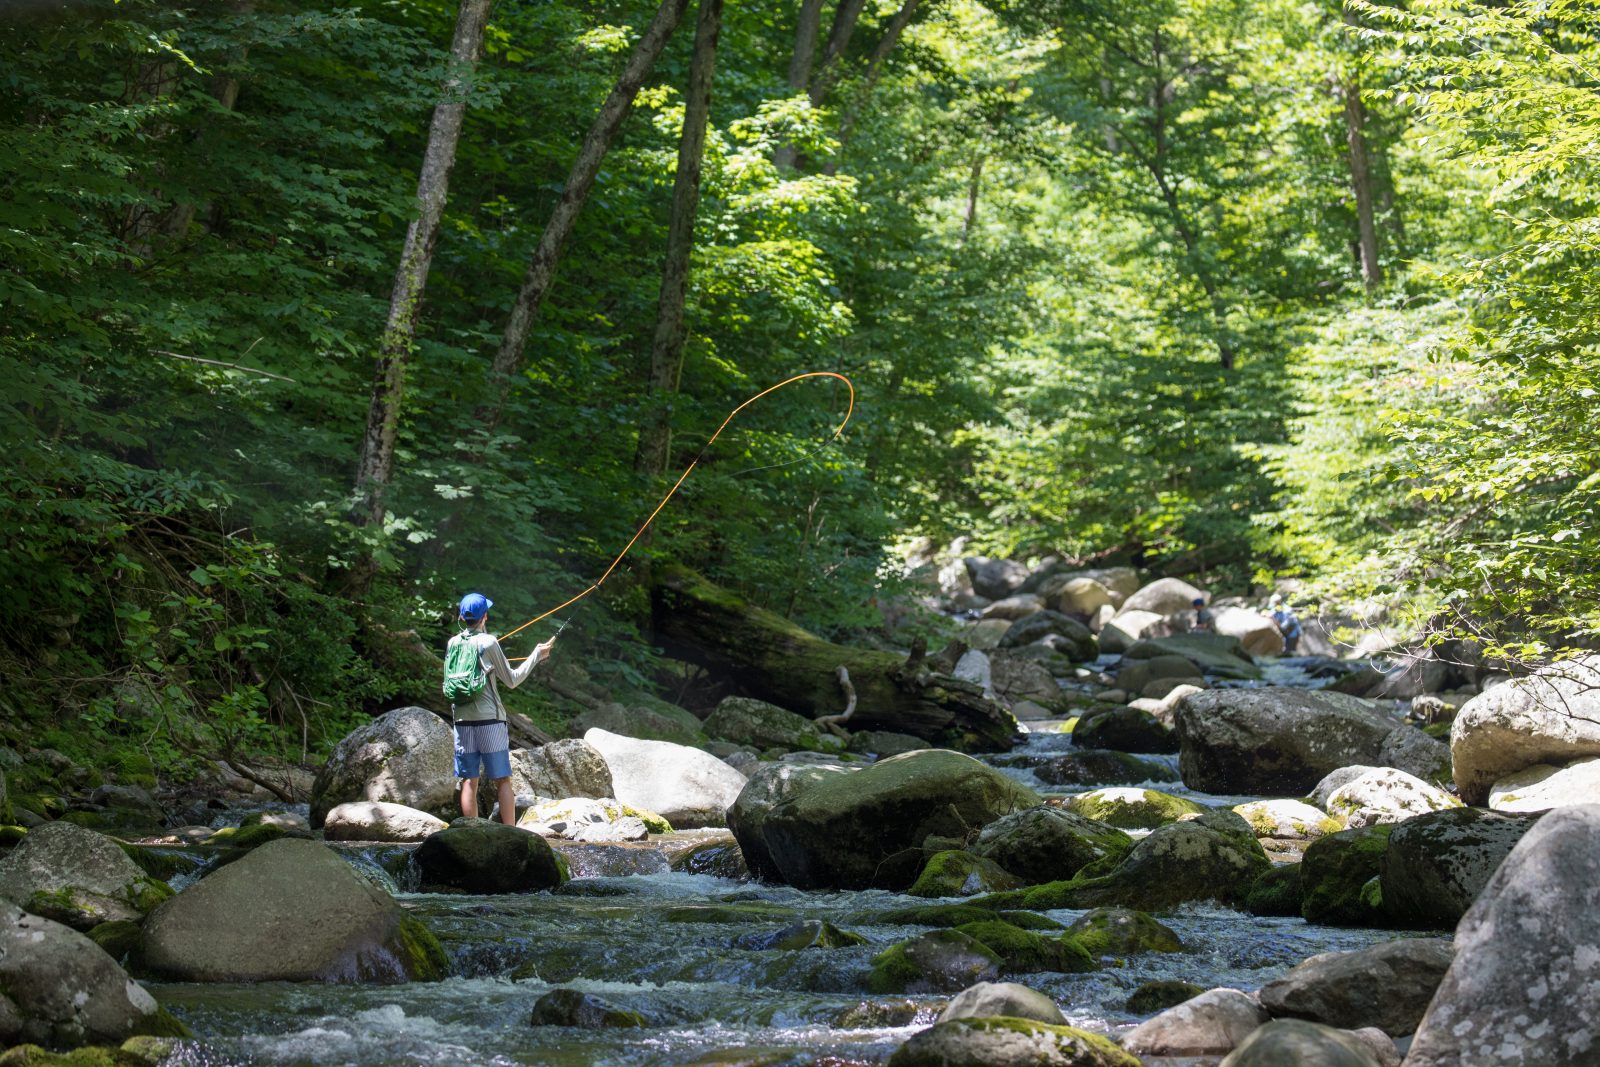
(681, 950)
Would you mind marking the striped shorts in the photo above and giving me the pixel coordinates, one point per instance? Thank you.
(482, 747)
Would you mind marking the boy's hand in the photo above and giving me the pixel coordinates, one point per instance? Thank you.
(542, 651)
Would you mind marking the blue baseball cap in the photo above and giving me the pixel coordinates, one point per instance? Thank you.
(475, 606)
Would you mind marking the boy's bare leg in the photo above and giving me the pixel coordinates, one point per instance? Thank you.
(508, 801)
(469, 797)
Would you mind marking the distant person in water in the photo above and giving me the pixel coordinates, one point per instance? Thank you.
(1204, 621)
(474, 665)
(1283, 617)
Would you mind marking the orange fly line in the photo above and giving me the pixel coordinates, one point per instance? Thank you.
(684, 476)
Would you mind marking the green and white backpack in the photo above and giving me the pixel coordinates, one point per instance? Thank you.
(464, 676)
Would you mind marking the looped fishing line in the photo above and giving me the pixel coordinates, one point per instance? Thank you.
(684, 477)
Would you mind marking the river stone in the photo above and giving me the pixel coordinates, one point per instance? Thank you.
(1124, 730)
(1080, 643)
(1416, 675)
(954, 873)
(479, 856)
(1122, 932)
(1164, 596)
(1335, 874)
(60, 989)
(1102, 767)
(1410, 750)
(1010, 999)
(1079, 596)
(1159, 994)
(687, 787)
(1551, 716)
(1132, 809)
(1291, 820)
(747, 816)
(975, 666)
(865, 829)
(1128, 628)
(747, 721)
(994, 579)
(1046, 844)
(292, 911)
(1008, 1042)
(1386, 795)
(797, 937)
(374, 820)
(1255, 631)
(1014, 607)
(1175, 864)
(601, 821)
(1134, 674)
(884, 743)
(1333, 780)
(1276, 741)
(655, 721)
(1387, 986)
(77, 877)
(1215, 654)
(1544, 787)
(1210, 1024)
(1522, 989)
(1436, 865)
(571, 1007)
(406, 756)
(939, 961)
(1291, 1041)
(1277, 893)
(561, 769)
(1019, 679)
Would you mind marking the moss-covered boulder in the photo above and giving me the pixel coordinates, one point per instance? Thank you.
(1132, 809)
(142, 1051)
(807, 933)
(1385, 794)
(290, 910)
(480, 856)
(1024, 951)
(1277, 893)
(571, 1007)
(1287, 820)
(866, 829)
(119, 939)
(1124, 729)
(77, 877)
(961, 874)
(1123, 932)
(1334, 874)
(1046, 844)
(746, 721)
(58, 988)
(1008, 1042)
(960, 914)
(771, 784)
(1161, 994)
(1092, 767)
(940, 961)
(248, 837)
(1434, 866)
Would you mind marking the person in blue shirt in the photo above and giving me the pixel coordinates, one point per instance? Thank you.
(1288, 625)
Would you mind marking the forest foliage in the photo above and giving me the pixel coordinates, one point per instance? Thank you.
(1246, 290)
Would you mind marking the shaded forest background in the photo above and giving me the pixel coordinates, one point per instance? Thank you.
(1248, 291)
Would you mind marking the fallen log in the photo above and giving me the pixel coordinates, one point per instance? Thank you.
(772, 659)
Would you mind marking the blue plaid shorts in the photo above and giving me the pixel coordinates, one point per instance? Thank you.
(480, 747)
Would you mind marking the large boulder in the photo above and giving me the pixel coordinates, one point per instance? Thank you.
(994, 579)
(1164, 596)
(939, 961)
(1435, 865)
(291, 911)
(866, 829)
(1552, 716)
(479, 856)
(1255, 631)
(747, 721)
(1014, 607)
(1410, 750)
(1047, 844)
(1283, 1042)
(1091, 767)
(77, 877)
(1008, 1042)
(771, 784)
(1133, 809)
(375, 820)
(957, 873)
(1544, 787)
(559, 770)
(1277, 741)
(1135, 674)
(1522, 989)
(1387, 986)
(686, 786)
(1124, 729)
(1128, 628)
(987, 1000)
(1215, 654)
(1066, 634)
(1210, 1024)
(59, 989)
(1176, 864)
(1386, 795)
(1402, 678)
(406, 756)
(1338, 875)
(1078, 596)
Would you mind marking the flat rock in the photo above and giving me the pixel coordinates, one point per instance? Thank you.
(1285, 1042)
(376, 820)
(686, 786)
(1010, 999)
(1386, 986)
(1213, 1023)
(1545, 786)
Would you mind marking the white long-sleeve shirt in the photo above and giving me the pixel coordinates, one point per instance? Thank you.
(487, 706)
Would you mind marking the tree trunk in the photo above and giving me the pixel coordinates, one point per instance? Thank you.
(399, 331)
(805, 50)
(666, 350)
(775, 660)
(869, 80)
(1355, 123)
(580, 180)
(974, 182)
(845, 17)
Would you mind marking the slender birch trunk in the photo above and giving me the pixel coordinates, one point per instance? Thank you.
(1355, 127)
